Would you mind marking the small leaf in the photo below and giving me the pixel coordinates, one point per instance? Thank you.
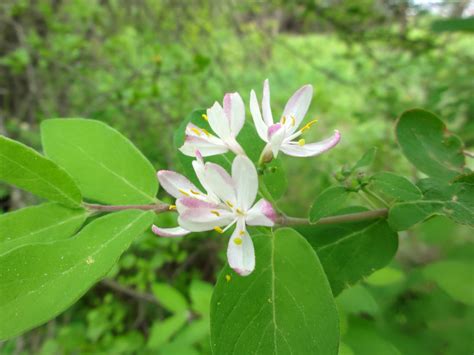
(455, 201)
(195, 332)
(201, 293)
(454, 277)
(107, 166)
(351, 251)
(328, 202)
(162, 331)
(38, 224)
(366, 160)
(357, 300)
(285, 306)
(170, 298)
(51, 277)
(386, 276)
(428, 145)
(24, 167)
(395, 187)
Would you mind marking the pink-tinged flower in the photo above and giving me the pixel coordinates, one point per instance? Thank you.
(226, 122)
(282, 136)
(229, 201)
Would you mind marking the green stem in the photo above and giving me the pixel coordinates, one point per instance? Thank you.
(352, 217)
(375, 196)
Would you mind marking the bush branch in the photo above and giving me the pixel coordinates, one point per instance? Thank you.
(344, 218)
(158, 208)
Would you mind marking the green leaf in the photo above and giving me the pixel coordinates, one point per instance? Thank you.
(454, 25)
(201, 293)
(351, 251)
(328, 202)
(454, 277)
(38, 224)
(357, 300)
(386, 276)
(51, 277)
(366, 160)
(195, 332)
(285, 306)
(455, 201)
(162, 331)
(395, 187)
(170, 298)
(107, 166)
(24, 167)
(428, 145)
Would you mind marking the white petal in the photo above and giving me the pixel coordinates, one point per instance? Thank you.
(276, 135)
(169, 232)
(199, 169)
(220, 182)
(245, 178)
(311, 149)
(261, 214)
(261, 127)
(206, 146)
(266, 108)
(235, 111)
(218, 121)
(172, 182)
(298, 105)
(240, 251)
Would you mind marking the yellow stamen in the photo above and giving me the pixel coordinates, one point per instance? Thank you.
(228, 278)
(228, 203)
(301, 142)
(216, 213)
(206, 132)
(238, 241)
(293, 121)
(204, 117)
(183, 192)
(241, 233)
(195, 192)
(218, 229)
(308, 125)
(239, 211)
(283, 120)
(172, 207)
(195, 130)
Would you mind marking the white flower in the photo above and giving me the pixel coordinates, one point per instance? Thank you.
(226, 122)
(281, 136)
(229, 200)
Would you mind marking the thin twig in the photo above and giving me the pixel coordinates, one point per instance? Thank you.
(468, 154)
(114, 285)
(344, 218)
(159, 207)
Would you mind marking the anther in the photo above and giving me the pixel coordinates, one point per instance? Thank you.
(238, 241)
(195, 192)
(206, 132)
(183, 192)
(283, 120)
(241, 233)
(301, 142)
(228, 203)
(216, 213)
(195, 130)
(218, 229)
(239, 211)
(293, 121)
(204, 117)
(172, 207)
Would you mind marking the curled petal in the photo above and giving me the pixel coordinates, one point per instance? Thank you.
(266, 108)
(261, 126)
(240, 251)
(219, 121)
(173, 182)
(235, 111)
(298, 105)
(311, 149)
(245, 178)
(169, 232)
(261, 214)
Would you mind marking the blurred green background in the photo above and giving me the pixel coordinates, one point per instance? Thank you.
(143, 65)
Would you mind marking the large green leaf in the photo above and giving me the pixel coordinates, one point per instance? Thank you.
(455, 201)
(44, 223)
(428, 145)
(454, 277)
(395, 187)
(107, 166)
(24, 167)
(351, 251)
(328, 202)
(285, 306)
(274, 176)
(39, 281)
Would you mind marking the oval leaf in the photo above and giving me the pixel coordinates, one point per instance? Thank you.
(328, 202)
(428, 145)
(38, 224)
(27, 169)
(39, 281)
(107, 166)
(285, 306)
(394, 186)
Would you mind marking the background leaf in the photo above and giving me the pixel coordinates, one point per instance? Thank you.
(366, 160)
(328, 202)
(284, 306)
(426, 142)
(394, 186)
(351, 251)
(170, 298)
(38, 224)
(53, 276)
(27, 169)
(107, 166)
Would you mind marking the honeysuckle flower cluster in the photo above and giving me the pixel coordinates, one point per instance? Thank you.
(228, 200)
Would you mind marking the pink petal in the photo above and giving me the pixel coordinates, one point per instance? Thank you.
(298, 105)
(261, 214)
(169, 232)
(311, 149)
(235, 111)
